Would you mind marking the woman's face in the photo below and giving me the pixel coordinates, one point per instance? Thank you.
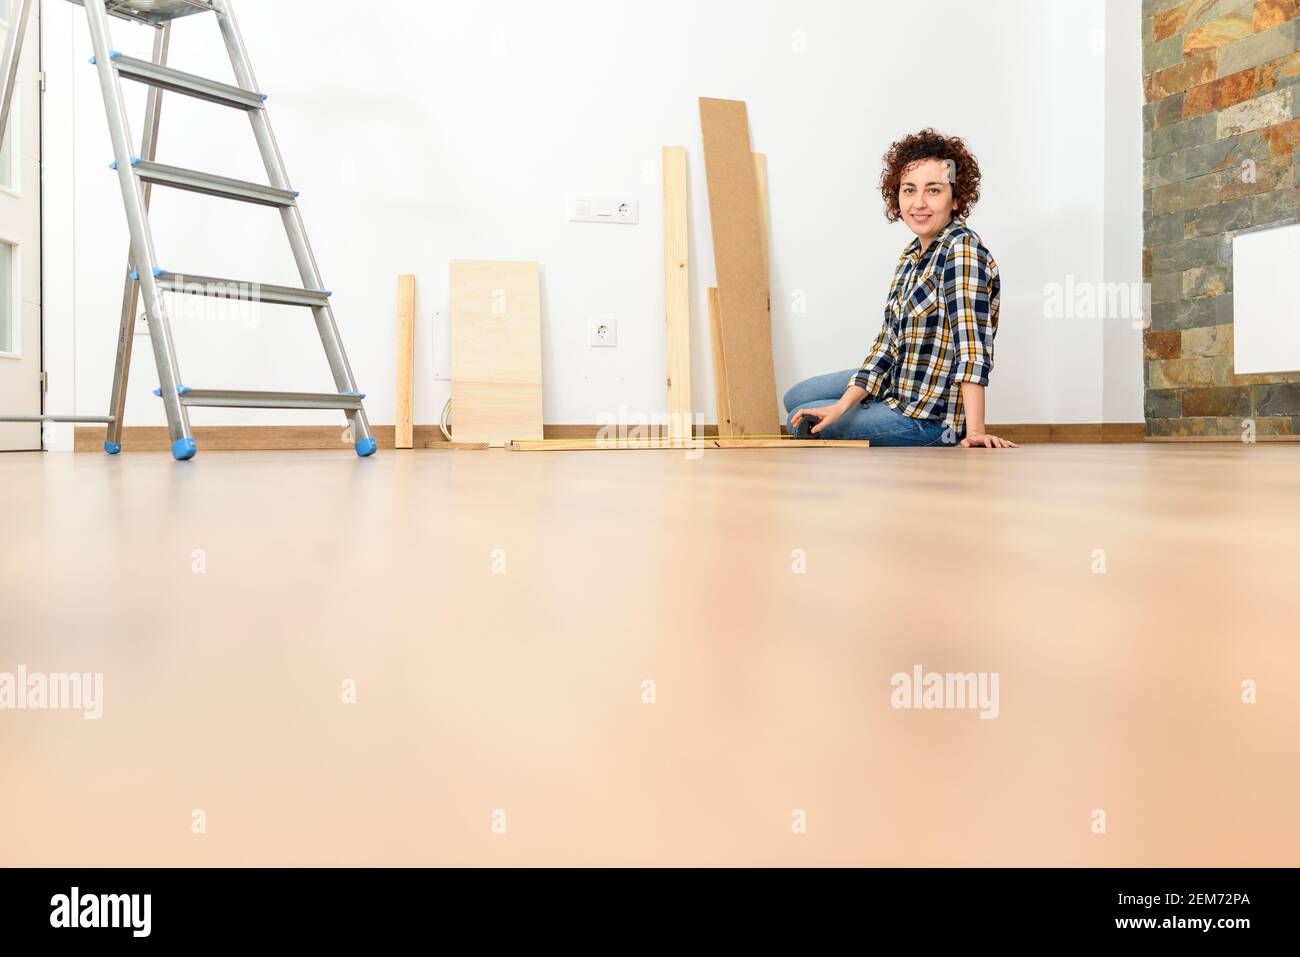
(925, 197)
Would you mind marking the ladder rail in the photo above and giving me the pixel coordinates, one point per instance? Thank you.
(326, 324)
(131, 288)
(142, 251)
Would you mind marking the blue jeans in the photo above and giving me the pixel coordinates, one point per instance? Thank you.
(873, 421)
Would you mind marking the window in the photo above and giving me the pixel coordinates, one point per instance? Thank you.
(8, 338)
(8, 151)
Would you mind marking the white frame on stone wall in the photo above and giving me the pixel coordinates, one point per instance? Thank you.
(1265, 291)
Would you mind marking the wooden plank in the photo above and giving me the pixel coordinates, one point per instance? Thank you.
(728, 442)
(405, 360)
(677, 292)
(719, 365)
(496, 351)
(582, 431)
(743, 293)
(445, 446)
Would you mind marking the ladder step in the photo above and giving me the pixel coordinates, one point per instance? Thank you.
(235, 289)
(212, 184)
(225, 399)
(164, 77)
(65, 419)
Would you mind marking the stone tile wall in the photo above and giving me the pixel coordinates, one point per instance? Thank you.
(1221, 146)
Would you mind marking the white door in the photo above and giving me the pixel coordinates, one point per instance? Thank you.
(20, 243)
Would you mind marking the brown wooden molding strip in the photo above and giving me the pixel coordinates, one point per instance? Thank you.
(1220, 438)
(286, 438)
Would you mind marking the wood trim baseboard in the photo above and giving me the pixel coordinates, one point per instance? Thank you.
(287, 438)
(1220, 438)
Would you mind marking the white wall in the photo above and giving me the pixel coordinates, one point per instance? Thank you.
(1122, 345)
(421, 132)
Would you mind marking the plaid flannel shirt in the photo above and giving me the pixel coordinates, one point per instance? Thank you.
(940, 321)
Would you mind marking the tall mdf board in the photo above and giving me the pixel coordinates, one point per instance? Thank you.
(740, 262)
(496, 351)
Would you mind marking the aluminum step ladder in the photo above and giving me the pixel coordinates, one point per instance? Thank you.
(138, 173)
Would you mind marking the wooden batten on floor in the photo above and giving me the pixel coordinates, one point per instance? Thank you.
(287, 438)
(671, 443)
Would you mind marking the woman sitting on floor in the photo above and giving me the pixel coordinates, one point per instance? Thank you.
(923, 382)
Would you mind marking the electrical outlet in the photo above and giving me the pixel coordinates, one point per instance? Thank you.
(602, 332)
(141, 325)
(605, 209)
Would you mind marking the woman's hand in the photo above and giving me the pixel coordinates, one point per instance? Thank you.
(982, 440)
(827, 414)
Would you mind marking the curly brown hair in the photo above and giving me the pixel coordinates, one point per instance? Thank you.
(925, 145)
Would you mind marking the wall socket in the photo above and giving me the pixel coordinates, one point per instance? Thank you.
(602, 332)
(604, 209)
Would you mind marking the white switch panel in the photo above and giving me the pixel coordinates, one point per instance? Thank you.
(604, 209)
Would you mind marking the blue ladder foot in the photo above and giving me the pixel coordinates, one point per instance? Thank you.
(366, 447)
(184, 449)
(112, 448)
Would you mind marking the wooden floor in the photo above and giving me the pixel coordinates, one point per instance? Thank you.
(501, 616)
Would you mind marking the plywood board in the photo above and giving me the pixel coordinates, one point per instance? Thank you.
(719, 365)
(677, 292)
(760, 183)
(405, 435)
(496, 351)
(743, 294)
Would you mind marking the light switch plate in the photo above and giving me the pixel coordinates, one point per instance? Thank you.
(604, 209)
